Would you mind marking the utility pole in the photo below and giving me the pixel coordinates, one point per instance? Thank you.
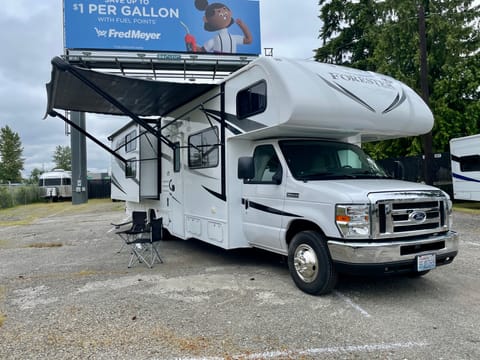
(427, 138)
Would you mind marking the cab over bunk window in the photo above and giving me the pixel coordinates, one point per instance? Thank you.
(252, 100)
(203, 149)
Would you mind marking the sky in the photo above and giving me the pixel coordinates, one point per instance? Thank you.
(32, 34)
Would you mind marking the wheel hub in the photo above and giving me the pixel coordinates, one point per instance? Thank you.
(306, 263)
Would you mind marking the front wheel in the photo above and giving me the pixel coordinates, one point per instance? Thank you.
(310, 264)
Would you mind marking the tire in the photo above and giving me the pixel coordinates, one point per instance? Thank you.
(310, 264)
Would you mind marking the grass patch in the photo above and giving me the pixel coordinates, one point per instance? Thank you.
(471, 207)
(44, 245)
(85, 273)
(27, 214)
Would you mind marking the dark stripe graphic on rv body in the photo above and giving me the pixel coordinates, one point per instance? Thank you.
(399, 99)
(396, 102)
(465, 178)
(216, 194)
(235, 125)
(269, 209)
(347, 93)
(117, 184)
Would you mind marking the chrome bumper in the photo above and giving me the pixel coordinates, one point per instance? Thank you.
(388, 252)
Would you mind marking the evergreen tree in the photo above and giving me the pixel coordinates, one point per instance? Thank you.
(11, 151)
(62, 157)
(384, 37)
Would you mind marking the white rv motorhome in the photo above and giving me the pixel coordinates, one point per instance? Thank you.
(56, 184)
(465, 160)
(269, 158)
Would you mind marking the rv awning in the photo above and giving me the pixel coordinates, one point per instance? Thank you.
(84, 90)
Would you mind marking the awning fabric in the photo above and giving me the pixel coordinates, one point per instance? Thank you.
(142, 97)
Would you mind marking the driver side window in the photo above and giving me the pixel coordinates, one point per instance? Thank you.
(267, 165)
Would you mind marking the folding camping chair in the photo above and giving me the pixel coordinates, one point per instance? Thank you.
(144, 247)
(138, 226)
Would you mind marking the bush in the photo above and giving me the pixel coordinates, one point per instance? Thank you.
(12, 195)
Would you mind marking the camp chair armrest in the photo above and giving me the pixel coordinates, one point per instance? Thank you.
(122, 224)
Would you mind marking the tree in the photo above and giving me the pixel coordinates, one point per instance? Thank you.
(62, 157)
(35, 176)
(384, 37)
(11, 151)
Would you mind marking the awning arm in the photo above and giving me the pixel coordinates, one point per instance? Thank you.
(201, 105)
(54, 113)
(62, 65)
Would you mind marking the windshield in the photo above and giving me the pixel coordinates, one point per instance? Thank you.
(326, 160)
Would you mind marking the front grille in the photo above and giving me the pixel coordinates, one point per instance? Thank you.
(408, 214)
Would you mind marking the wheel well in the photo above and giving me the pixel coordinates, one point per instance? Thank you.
(300, 225)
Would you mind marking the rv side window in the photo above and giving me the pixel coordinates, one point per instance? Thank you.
(131, 168)
(252, 100)
(53, 182)
(67, 181)
(266, 164)
(470, 163)
(203, 149)
(131, 141)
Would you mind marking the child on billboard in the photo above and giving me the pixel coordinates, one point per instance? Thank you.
(218, 18)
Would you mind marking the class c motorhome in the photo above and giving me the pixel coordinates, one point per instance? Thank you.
(270, 158)
(465, 160)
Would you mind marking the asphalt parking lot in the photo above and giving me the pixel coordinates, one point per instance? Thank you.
(65, 293)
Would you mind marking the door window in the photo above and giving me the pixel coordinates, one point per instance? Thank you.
(267, 165)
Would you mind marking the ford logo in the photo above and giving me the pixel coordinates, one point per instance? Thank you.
(418, 216)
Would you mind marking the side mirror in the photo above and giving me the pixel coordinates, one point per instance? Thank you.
(246, 168)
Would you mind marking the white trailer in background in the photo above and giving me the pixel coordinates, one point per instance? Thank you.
(465, 155)
(56, 184)
(268, 158)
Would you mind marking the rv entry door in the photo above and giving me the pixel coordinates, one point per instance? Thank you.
(263, 200)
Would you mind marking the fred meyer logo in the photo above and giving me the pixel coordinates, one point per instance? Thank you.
(129, 34)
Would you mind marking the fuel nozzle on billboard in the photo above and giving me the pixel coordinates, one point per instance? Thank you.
(190, 41)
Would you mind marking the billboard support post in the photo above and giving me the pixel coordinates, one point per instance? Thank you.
(79, 160)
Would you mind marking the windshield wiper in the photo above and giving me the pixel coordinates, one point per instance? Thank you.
(369, 174)
(325, 176)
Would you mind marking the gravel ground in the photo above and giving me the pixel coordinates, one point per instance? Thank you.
(65, 293)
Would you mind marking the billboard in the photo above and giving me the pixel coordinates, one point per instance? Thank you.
(193, 26)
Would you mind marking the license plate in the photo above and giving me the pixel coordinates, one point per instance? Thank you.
(426, 262)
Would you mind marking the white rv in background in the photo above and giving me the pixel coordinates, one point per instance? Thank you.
(465, 159)
(270, 158)
(56, 184)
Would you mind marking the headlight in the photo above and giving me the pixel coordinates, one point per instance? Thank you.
(353, 220)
